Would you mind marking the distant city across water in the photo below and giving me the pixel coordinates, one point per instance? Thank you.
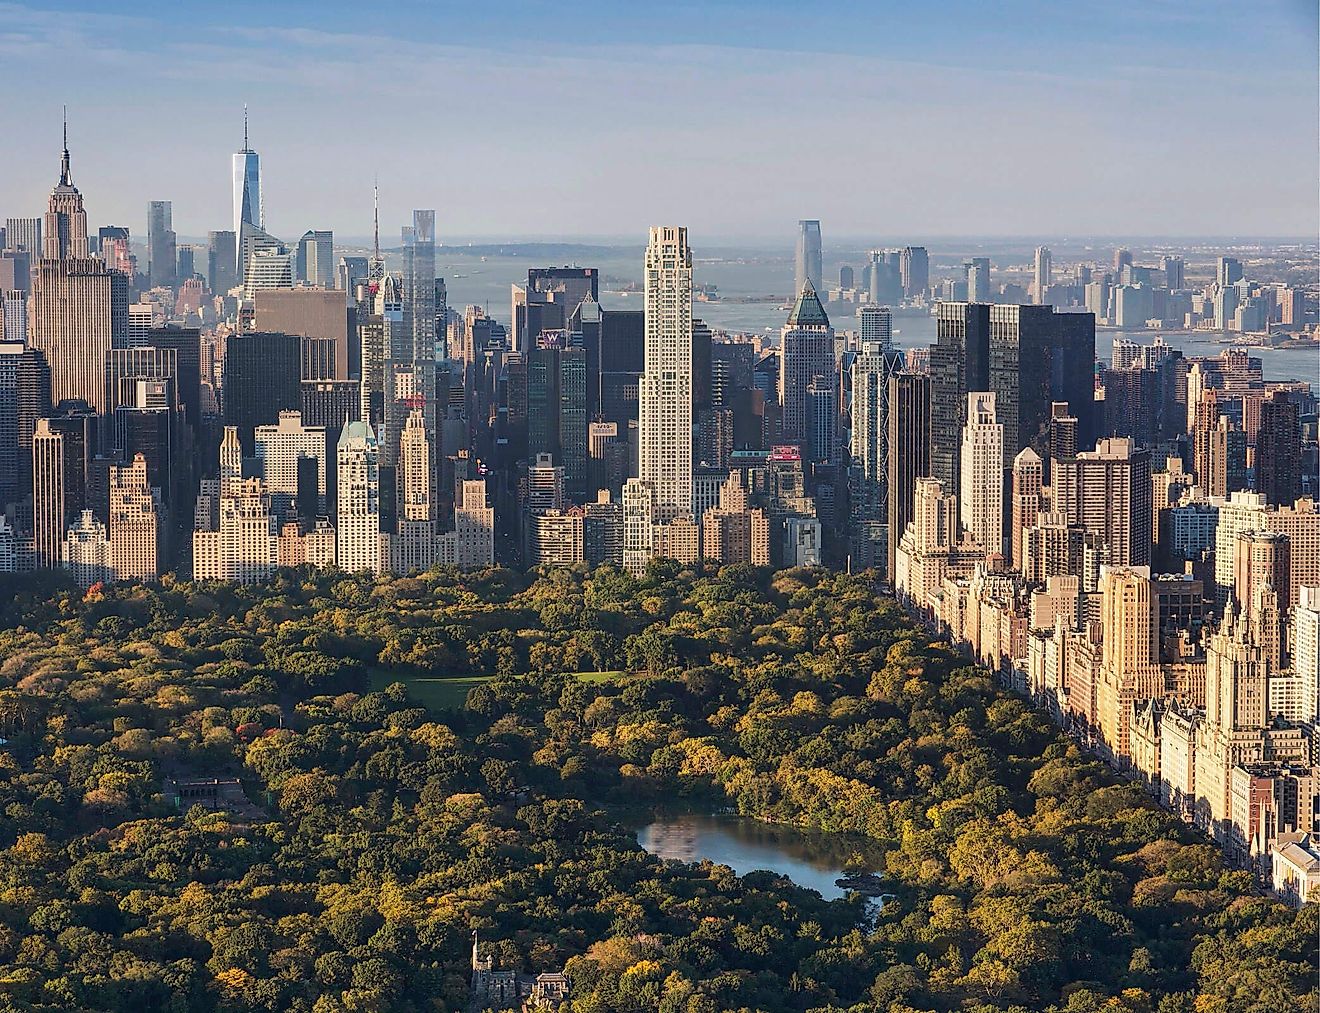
(486, 281)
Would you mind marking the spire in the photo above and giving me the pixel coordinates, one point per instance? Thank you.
(64, 161)
(245, 132)
(375, 218)
(808, 312)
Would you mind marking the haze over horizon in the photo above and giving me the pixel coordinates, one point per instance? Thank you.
(735, 118)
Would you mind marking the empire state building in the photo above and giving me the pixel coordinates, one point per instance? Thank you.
(78, 307)
(64, 233)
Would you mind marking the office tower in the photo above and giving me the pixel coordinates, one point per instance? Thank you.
(821, 442)
(847, 277)
(959, 365)
(350, 272)
(146, 422)
(885, 283)
(909, 452)
(186, 266)
(114, 246)
(1122, 259)
(357, 529)
(1227, 459)
(221, 262)
(807, 261)
(318, 316)
(1130, 668)
(64, 231)
(268, 264)
(1042, 275)
(1175, 273)
(24, 234)
(48, 496)
(185, 342)
(914, 269)
(161, 245)
(1279, 451)
(86, 551)
(806, 352)
(248, 208)
(875, 326)
(1227, 271)
(1108, 493)
(13, 314)
(1261, 589)
(665, 389)
(135, 528)
(1062, 433)
(78, 311)
(1028, 481)
(328, 402)
(261, 378)
(557, 406)
(280, 451)
(24, 398)
(978, 280)
(549, 300)
(314, 258)
(981, 494)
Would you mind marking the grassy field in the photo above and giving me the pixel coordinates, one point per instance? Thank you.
(451, 693)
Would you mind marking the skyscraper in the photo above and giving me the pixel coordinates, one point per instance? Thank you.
(358, 522)
(959, 365)
(1108, 492)
(48, 495)
(261, 379)
(1041, 277)
(1279, 451)
(870, 449)
(411, 346)
(978, 280)
(806, 352)
(981, 493)
(135, 526)
(314, 260)
(1028, 478)
(162, 256)
(909, 452)
(807, 261)
(24, 234)
(24, 398)
(665, 388)
(915, 270)
(221, 262)
(248, 209)
(64, 232)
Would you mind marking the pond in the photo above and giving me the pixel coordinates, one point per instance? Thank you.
(811, 860)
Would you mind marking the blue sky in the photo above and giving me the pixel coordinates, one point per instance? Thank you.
(885, 120)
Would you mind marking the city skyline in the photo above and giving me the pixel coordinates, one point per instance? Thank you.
(1009, 98)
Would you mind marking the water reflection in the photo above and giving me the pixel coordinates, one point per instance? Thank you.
(811, 860)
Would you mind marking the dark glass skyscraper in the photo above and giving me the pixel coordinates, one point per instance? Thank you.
(959, 365)
(262, 376)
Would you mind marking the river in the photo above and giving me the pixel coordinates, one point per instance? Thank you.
(811, 860)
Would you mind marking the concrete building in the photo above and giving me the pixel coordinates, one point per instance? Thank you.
(981, 494)
(357, 526)
(135, 529)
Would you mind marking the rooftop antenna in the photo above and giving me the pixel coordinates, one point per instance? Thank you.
(245, 128)
(64, 160)
(376, 269)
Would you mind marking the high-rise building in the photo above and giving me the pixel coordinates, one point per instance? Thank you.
(806, 353)
(978, 280)
(261, 378)
(48, 496)
(1279, 451)
(162, 256)
(314, 262)
(875, 326)
(115, 248)
(64, 231)
(915, 271)
(318, 316)
(24, 398)
(549, 301)
(221, 262)
(557, 406)
(1261, 592)
(1042, 275)
(959, 365)
(1175, 273)
(248, 208)
(1227, 271)
(909, 453)
(410, 364)
(665, 390)
(807, 260)
(86, 551)
(135, 527)
(1107, 492)
(24, 234)
(1130, 652)
(1028, 481)
(358, 542)
(981, 494)
(282, 451)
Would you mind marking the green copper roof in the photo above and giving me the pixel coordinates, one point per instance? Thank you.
(808, 312)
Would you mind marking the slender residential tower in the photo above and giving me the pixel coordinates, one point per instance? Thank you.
(981, 494)
(665, 388)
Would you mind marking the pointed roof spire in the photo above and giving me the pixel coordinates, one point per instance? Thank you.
(808, 312)
(64, 161)
(245, 130)
(375, 218)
